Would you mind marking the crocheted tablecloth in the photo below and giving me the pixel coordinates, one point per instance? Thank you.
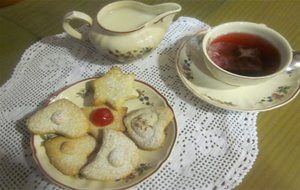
(215, 147)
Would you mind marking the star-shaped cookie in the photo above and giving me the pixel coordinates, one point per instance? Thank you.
(114, 88)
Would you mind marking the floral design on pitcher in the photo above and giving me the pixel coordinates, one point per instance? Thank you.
(137, 53)
(277, 95)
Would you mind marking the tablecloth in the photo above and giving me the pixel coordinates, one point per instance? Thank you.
(215, 147)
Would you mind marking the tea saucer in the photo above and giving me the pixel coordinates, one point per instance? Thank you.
(264, 96)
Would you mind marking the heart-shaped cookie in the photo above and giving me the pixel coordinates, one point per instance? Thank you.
(60, 117)
(146, 126)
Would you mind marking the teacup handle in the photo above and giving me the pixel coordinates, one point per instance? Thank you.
(75, 15)
(295, 62)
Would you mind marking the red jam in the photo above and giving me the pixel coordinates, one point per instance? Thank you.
(101, 117)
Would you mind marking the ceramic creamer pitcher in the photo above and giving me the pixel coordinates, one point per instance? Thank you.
(125, 30)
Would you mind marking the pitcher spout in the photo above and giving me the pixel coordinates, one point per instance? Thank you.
(165, 12)
(129, 16)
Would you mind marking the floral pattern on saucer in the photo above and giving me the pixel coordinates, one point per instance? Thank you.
(280, 93)
(186, 68)
(260, 97)
(137, 172)
(220, 101)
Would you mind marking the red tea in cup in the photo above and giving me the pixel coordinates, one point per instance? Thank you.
(244, 54)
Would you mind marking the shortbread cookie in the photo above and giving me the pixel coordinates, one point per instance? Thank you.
(103, 117)
(146, 126)
(61, 117)
(69, 155)
(117, 158)
(114, 88)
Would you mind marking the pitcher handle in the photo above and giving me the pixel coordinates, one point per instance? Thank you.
(75, 15)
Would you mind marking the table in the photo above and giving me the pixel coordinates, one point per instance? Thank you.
(277, 165)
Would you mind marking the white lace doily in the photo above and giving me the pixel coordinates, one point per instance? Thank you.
(215, 148)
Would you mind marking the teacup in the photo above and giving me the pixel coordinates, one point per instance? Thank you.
(245, 53)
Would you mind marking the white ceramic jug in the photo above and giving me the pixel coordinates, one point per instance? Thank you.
(125, 30)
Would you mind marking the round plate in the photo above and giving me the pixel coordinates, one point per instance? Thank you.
(261, 97)
(151, 161)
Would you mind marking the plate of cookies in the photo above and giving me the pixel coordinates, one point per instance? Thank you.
(110, 132)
